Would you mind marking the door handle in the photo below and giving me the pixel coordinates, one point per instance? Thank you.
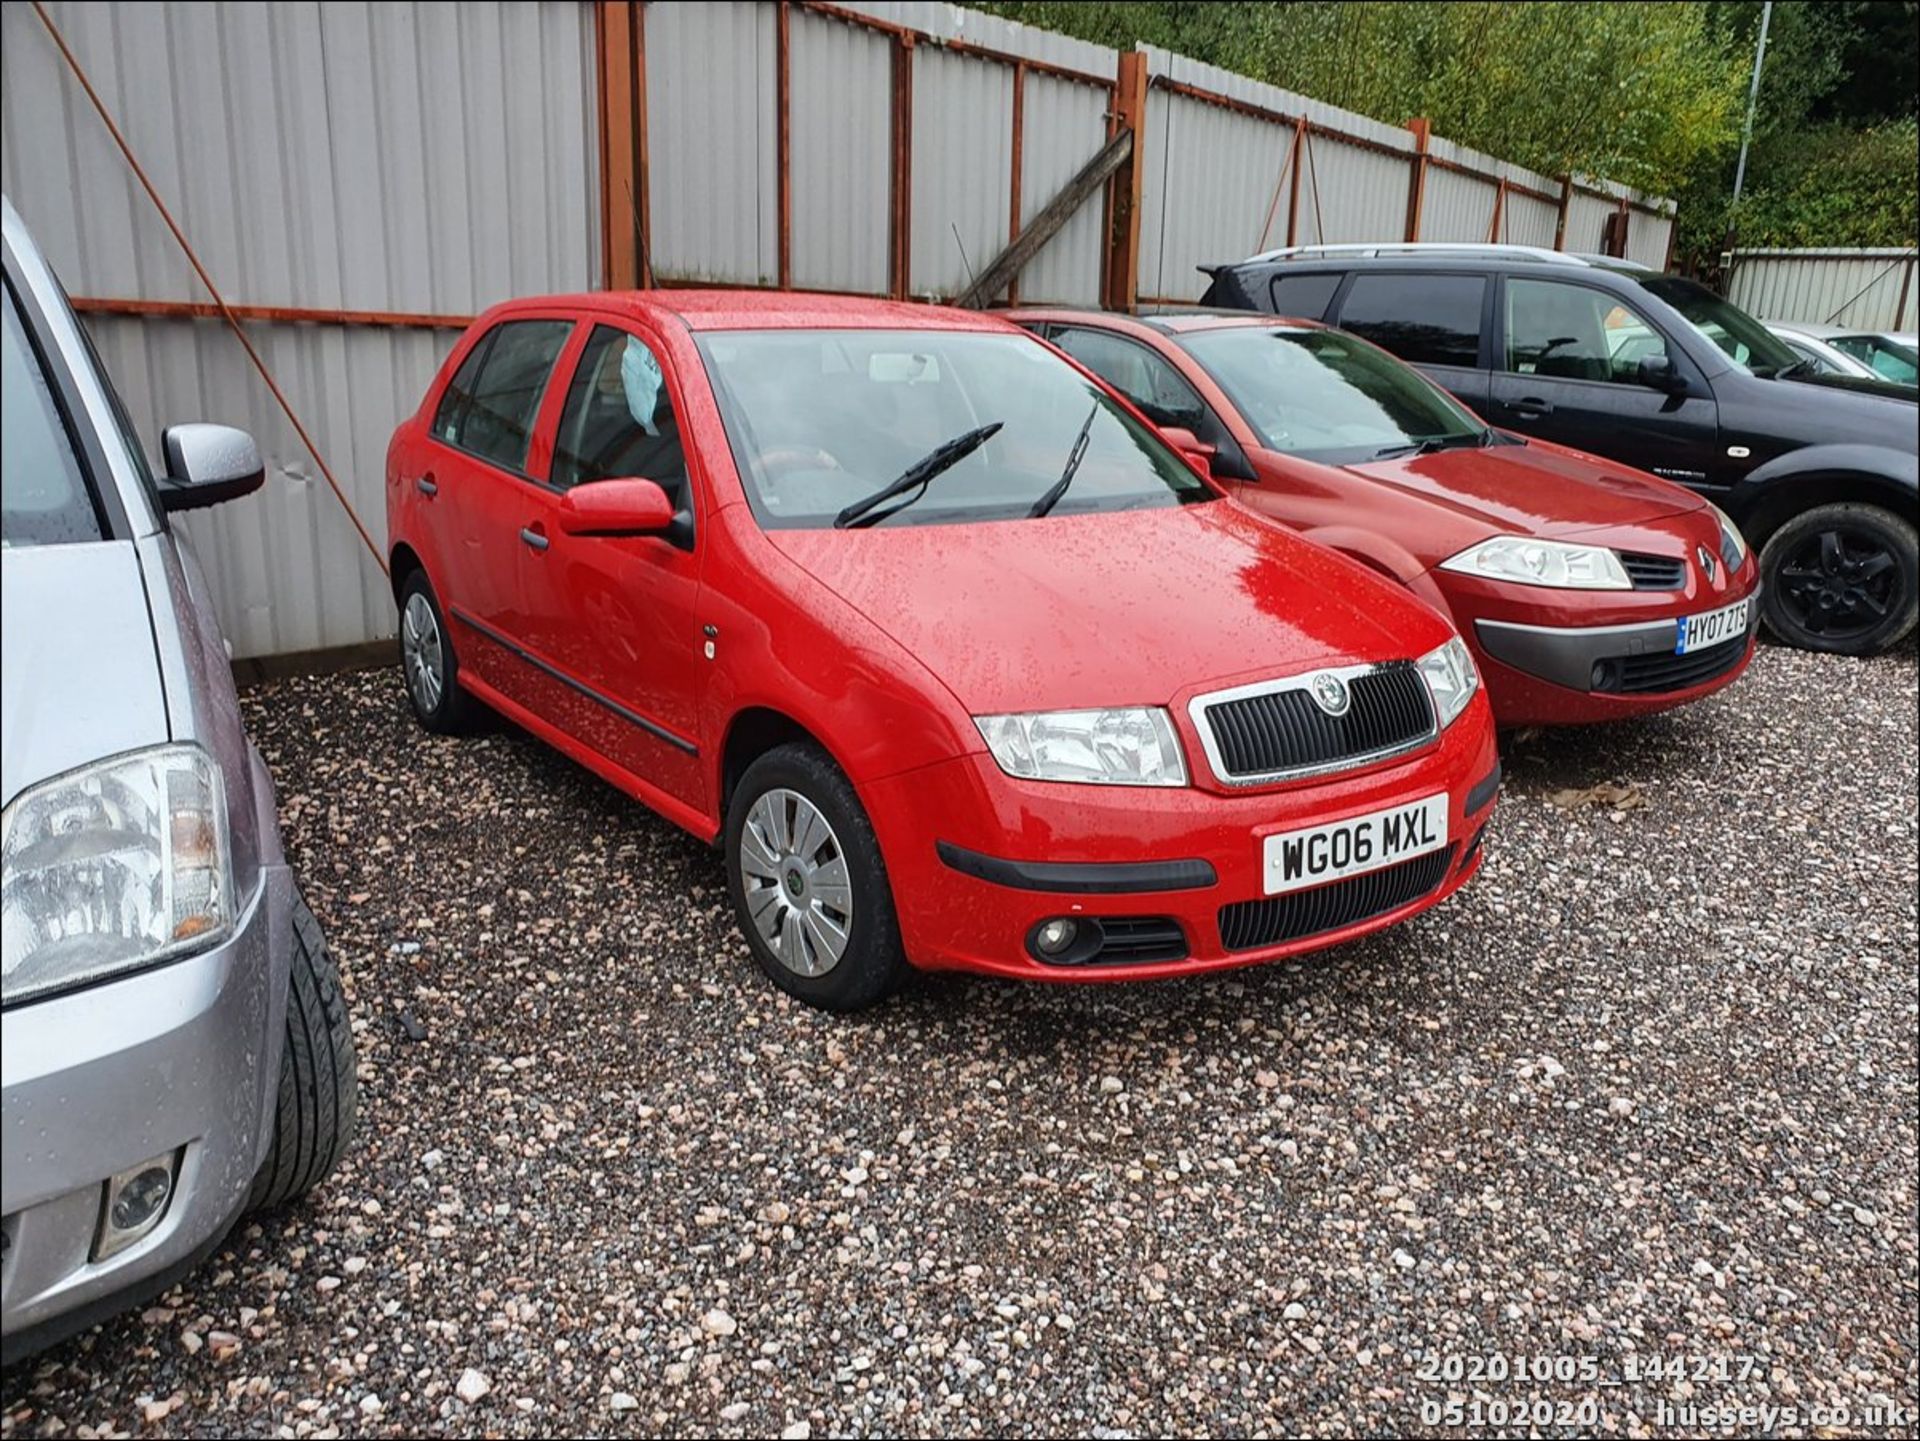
(426, 484)
(1531, 406)
(533, 537)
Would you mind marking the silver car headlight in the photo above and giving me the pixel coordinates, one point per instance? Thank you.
(1451, 679)
(1529, 561)
(1733, 545)
(1134, 746)
(111, 868)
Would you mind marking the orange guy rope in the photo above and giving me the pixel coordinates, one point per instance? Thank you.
(232, 320)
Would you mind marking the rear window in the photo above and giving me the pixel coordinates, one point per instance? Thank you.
(1305, 297)
(1427, 319)
(490, 404)
(45, 498)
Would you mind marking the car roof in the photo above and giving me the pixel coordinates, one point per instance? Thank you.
(703, 310)
(1424, 255)
(1165, 319)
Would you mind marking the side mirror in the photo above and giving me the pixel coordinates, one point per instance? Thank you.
(207, 464)
(616, 507)
(1657, 371)
(1197, 452)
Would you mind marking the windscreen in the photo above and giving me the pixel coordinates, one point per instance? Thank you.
(819, 420)
(1326, 396)
(1746, 342)
(44, 498)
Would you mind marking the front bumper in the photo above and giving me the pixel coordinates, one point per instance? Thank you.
(180, 1061)
(978, 859)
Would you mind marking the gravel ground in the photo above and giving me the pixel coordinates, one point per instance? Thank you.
(1647, 1089)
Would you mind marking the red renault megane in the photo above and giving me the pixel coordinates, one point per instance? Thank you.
(961, 664)
(1589, 591)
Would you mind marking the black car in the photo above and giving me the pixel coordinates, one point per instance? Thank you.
(1657, 372)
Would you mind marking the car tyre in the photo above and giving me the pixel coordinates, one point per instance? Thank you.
(1842, 578)
(809, 886)
(319, 1091)
(428, 665)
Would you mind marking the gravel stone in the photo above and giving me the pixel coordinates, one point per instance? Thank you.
(634, 1131)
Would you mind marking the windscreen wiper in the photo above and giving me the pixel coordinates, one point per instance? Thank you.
(1059, 488)
(944, 456)
(1475, 440)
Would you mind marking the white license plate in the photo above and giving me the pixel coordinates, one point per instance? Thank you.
(1697, 632)
(1292, 860)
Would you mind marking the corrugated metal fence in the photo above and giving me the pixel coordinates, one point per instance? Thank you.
(1873, 289)
(360, 178)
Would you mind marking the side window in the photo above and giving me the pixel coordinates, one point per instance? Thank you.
(1425, 319)
(618, 419)
(1308, 296)
(45, 498)
(496, 420)
(459, 392)
(1148, 380)
(1573, 332)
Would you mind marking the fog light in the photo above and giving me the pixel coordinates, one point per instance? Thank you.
(1055, 936)
(135, 1201)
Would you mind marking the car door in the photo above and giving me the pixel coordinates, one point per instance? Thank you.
(615, 618)
(1567, 370)
(480, 451)
(1432, 319)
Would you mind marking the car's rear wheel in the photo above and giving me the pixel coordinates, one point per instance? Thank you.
(1843, 578)
(427, 660)
(809, 885)
(319, 1091)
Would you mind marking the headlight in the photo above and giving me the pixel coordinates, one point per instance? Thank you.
(1733, 545)
(1132, 747)
(1542, 562)
(112, 867)
(1450, 678)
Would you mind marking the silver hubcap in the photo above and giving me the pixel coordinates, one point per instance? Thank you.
(799, 895)
(421, 651)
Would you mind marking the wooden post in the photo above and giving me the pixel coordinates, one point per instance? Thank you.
(1123, 203)
(622, 238)
(783, 141)
(994, 277)
(1019, 139)
(900, 228)
(1560, 221)
(1422, 129)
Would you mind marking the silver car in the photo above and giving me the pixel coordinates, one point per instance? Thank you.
(174, 1045)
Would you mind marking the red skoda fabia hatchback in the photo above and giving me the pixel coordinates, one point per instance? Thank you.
(961, 664)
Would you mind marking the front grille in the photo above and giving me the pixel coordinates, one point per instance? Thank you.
(1284, 729)
(1248, 925)
(1654, 572)
(1648, 674)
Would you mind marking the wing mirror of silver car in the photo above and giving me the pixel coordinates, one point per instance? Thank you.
(207, 464)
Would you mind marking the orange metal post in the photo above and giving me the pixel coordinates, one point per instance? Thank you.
(1123, 233)
(1422, 129)
(620, 226)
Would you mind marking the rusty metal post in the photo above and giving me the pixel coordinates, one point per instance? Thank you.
(783, 140)
(1560, 221)
(1014, 166)
(643, 216)
(1422, 129)
(1499, 211)
(620, 223)
(1122, 280)
(900, 223)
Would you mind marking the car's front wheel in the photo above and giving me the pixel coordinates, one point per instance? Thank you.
(808, 882)
(1843, 578)
(319, 1090)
